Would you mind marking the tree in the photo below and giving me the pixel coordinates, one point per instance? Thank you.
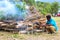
(30, 2)
(44, 7)
(54, 7)
(2, 15)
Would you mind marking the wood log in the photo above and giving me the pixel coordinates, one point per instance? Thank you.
(30, 28)
(23, 32)
(3, 25)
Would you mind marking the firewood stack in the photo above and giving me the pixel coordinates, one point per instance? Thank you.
(42, 22)
(33, 17)
(8, 25)
(33, 14)
(40, 25)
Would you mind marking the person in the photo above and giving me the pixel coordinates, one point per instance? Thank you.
(51, 25)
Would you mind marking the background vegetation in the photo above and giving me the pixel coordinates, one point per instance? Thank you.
(44, 7)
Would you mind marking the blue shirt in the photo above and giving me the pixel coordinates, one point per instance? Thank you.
(53, 23)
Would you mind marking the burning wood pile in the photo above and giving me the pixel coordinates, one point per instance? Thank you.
(33, 21)
(34, 16)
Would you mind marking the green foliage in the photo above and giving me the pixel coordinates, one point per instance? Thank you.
(30, 2)
(1, 15)
(20, 7)
(54, 7)
(42, 7)
(45, 7)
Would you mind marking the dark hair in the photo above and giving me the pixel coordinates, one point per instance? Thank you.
(48, 16)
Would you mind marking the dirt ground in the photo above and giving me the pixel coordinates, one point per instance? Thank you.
(38, 36)
(42, 36)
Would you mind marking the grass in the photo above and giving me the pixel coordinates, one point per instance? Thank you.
(57, 19)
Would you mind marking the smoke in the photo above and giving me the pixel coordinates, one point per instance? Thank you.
(10, 11)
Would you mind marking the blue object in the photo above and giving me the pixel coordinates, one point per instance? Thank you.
(51, 21)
